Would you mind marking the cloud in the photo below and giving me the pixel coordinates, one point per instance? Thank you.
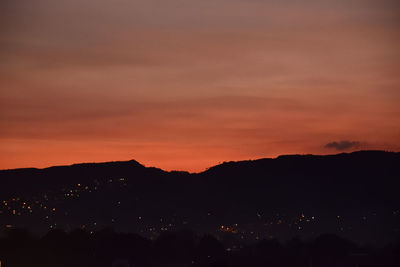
(343, 145)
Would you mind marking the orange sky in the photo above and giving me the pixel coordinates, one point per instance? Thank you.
(188, 84)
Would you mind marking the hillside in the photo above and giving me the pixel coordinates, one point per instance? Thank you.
(354, 195)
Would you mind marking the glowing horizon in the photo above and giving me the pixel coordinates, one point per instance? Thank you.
(185, 85)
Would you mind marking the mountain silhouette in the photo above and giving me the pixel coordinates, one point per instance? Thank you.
(350, 194)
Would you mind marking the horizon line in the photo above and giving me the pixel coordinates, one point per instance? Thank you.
(207, 168)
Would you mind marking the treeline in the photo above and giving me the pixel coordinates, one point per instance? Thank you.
(110, 249)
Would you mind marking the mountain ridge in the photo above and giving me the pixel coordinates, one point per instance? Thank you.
(358, 187)
(284, 156)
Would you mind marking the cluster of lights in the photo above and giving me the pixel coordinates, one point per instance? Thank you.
(297, 223)
(45, 203)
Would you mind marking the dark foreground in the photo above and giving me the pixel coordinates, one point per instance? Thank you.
(353, 195)
(107, 248)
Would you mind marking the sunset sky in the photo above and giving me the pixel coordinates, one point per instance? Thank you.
(186, 84)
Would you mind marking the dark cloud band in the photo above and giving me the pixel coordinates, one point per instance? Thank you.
(343, 145)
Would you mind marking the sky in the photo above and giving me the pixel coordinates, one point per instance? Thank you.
(187, 84)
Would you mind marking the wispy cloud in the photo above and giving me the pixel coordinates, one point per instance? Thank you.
(343, 145)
